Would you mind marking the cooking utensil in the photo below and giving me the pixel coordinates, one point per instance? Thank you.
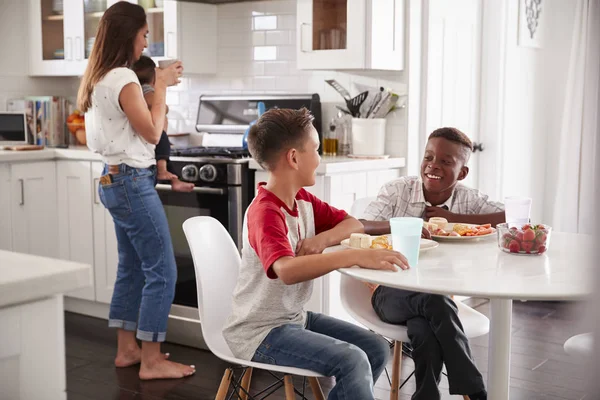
(339, 88)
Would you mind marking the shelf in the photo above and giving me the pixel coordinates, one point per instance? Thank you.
(155, 10)
(54, 18)
(97, 14)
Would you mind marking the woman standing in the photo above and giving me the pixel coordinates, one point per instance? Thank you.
(124, 131)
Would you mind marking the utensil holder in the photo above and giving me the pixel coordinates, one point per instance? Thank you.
(368, 136)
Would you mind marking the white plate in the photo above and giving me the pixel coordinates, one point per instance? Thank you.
(449, 228)
(426, 244)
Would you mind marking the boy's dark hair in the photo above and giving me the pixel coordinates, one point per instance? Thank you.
(277, 130)
(144, 68)
(456, 136)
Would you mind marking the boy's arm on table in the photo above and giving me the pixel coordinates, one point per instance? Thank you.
(330, 237)
(476, 219)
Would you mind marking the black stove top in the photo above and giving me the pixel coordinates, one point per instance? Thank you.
(221, 152)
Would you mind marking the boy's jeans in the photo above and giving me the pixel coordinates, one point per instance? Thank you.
(437, 338)
(355, 356)
(146, 273)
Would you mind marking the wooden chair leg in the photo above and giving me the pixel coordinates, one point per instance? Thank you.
(396, 370)
(316, 388)
(224, 386)
(289, 387)
(247, 378)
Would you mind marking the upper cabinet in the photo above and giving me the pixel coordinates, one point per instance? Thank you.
(63, 34)
(350, 34)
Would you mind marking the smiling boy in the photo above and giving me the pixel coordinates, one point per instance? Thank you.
(434, 328)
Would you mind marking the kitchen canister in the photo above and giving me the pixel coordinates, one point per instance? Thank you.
(368, 136)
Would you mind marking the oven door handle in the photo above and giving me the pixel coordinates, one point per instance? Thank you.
(202, 190)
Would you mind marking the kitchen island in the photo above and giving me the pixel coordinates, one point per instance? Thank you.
(32, 345)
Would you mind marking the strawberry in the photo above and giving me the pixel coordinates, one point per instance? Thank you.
(519, 236)
(541, 238)
(514, 246)
(514, 228)
(527, 247)
(526, 227)
(529, 235)
(542, 249)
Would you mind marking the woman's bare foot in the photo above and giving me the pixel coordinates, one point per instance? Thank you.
(180, 186)
(164, 369)
(130, 357)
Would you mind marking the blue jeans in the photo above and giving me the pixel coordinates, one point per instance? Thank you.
(331, 347)
(146, 273)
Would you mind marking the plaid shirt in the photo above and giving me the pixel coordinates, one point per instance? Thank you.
(403, 197)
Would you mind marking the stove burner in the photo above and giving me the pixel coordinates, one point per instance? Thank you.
(225, 152)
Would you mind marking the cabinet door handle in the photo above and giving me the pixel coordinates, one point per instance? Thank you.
(394, 26)
(96, 188)
(22, 183)
(302, 25)
(69, 49)
(78, 48)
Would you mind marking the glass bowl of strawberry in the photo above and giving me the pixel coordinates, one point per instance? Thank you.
(528, 239)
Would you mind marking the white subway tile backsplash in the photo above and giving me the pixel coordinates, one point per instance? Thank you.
(258, 38)
(277, 68)
(265, 53)
(267, 22)
(281, 7)
(286, 53)
(264, 83)
(278, 38)
(257, 54)
(287, 22)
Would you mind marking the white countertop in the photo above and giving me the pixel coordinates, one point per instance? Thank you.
(332, 165)
(329, 165)
(81, 153)
(479, 268)
(25, 277)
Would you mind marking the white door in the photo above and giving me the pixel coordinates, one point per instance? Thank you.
(75, 230)
(106, 254)
(331, 34)
(5, 203)
(453, 65)
(33, 208)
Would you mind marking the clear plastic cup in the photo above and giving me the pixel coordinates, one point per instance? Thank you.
(406, 237)
(517, 210)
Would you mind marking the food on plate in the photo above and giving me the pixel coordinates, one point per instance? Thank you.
(464, 230)
(440, 222)
(381, 242)
(360, 240)
(430, 226)
(528, 239)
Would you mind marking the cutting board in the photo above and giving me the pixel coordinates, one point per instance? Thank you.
(24, 147)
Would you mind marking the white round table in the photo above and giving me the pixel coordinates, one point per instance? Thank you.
(479, 268)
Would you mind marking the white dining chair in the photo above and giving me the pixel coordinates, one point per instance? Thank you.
(216, 263)
(356, 299)
(580, 346)
(360, 205)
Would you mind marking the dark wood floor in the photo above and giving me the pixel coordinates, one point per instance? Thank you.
(540, 368)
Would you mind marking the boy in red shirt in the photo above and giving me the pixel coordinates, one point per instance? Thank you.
(285, 231)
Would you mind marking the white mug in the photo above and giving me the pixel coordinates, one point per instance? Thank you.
(165, 63)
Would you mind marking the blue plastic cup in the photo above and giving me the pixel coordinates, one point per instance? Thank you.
(406, 237)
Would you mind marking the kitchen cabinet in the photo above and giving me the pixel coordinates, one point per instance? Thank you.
(350, 34)
(106, 254)
(5, 203)
(33, 208)
(74, 195)
(63, 34)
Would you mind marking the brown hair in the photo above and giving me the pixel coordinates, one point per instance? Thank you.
(453, 135)
(145, 69)
(275, 131)
(113, 47)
